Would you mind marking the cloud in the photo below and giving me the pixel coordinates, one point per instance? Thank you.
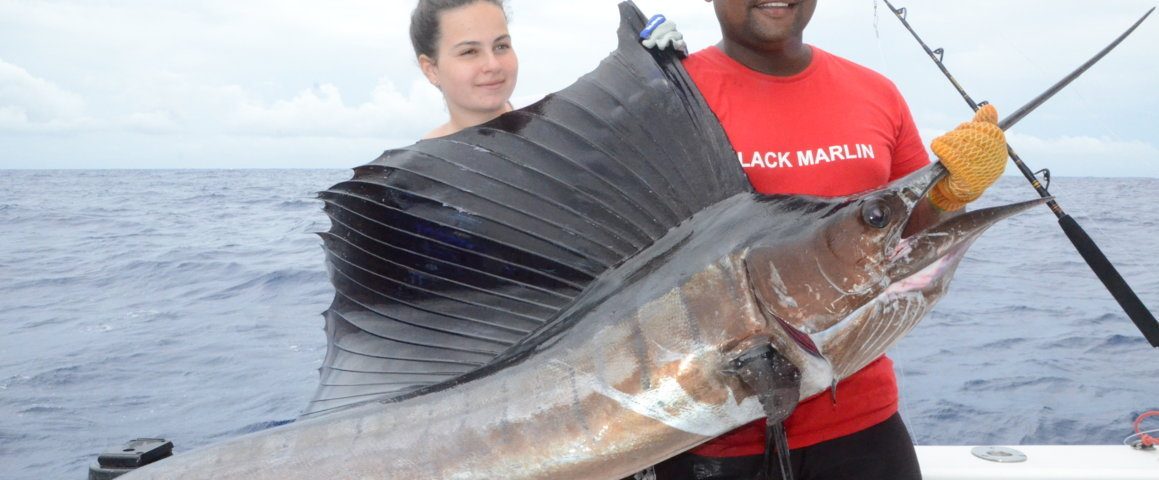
(1079, 155)
(171, 103)
(32, 104)
(134, 80)
(321, 111)
(1088, 156)
(149, 122)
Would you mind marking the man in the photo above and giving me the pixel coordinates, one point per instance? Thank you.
(804, 121)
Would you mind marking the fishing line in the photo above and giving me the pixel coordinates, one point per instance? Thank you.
(876, 32)
(877, 36)
(1092, 107)
(903, 405)
(903, 380)
(1086, 104)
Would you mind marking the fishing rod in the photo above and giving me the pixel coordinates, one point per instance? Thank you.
(1013, 118)
(1094, 256)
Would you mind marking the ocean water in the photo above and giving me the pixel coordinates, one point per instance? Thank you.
(186, 305)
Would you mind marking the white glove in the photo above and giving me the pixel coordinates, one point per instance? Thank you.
(660, 34)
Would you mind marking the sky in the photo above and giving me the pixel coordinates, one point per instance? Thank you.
(332, 84)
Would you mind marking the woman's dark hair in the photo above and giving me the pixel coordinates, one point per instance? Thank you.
(424, 22)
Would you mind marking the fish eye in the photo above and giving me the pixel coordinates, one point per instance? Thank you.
(875, 213)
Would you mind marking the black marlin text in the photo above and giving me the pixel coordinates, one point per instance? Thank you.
(805, 158)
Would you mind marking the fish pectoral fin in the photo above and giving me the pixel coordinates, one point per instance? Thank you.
(775, 380)
(777, 383)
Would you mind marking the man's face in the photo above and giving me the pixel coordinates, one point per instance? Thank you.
(764, 23)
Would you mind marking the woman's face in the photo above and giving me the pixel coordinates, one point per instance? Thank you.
(476, 67)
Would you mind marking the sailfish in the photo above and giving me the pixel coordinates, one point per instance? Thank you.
(572, 290)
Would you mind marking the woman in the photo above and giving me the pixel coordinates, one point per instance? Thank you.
(465, 51)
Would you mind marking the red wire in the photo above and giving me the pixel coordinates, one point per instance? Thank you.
(1147, 440)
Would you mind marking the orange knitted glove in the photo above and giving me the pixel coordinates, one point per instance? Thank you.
(975, 155)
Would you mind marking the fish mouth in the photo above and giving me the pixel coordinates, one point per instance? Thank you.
(905, 262)
(913, 187)
(920, 246)
(920, 263)
(918, 269)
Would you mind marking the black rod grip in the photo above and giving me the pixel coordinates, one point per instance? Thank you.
(1111, 279)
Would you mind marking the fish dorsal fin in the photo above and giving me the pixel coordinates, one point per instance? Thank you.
(447, 253)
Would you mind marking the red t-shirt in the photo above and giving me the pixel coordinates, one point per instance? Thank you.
(835, 129)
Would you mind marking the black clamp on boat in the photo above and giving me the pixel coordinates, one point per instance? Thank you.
(136, 453)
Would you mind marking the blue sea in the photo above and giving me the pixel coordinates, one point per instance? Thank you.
(186, 304)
